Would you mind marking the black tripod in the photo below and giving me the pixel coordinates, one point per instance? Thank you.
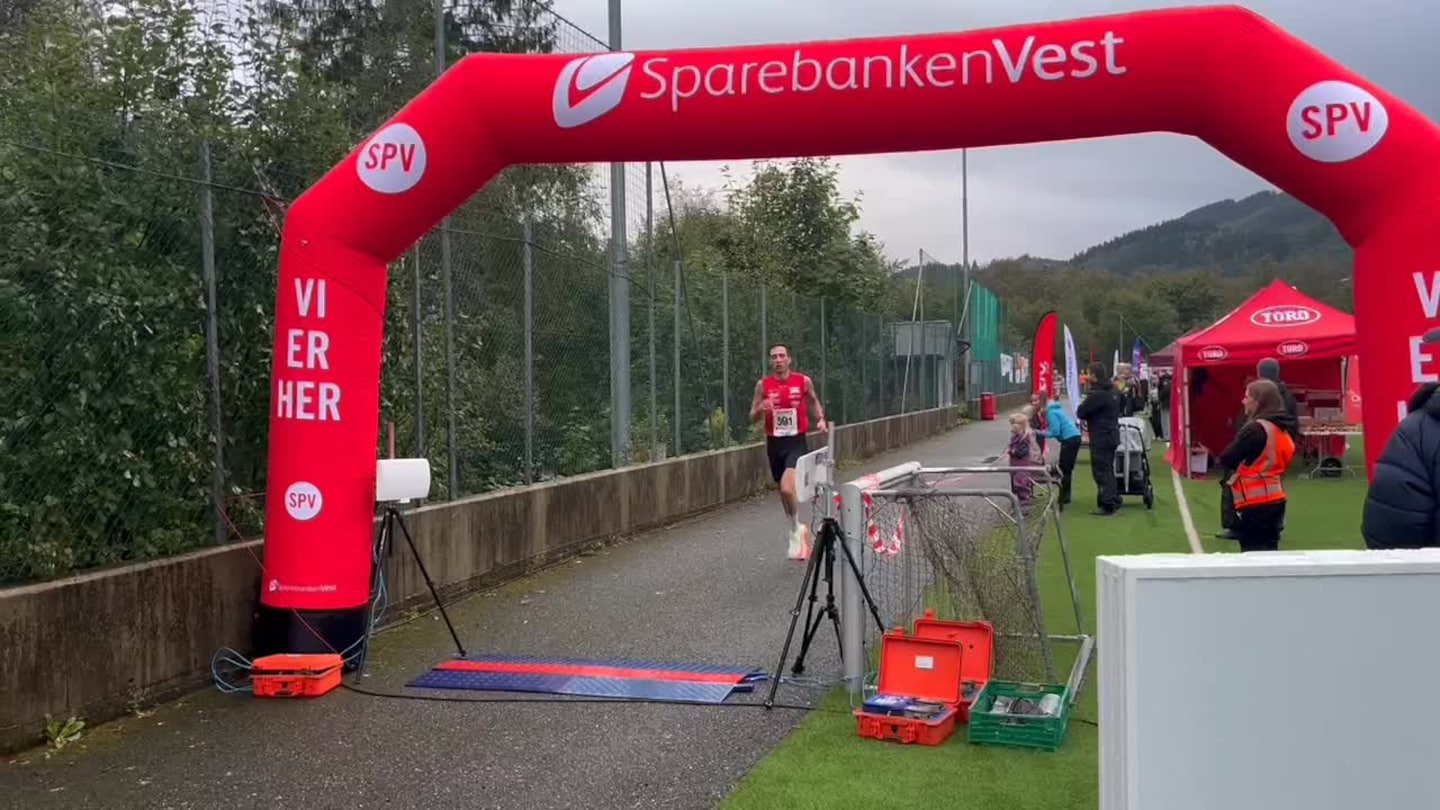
(385, 546)
(831, 535)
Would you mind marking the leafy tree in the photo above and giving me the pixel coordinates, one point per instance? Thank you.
(107, 440)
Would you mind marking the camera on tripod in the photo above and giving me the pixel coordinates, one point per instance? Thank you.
(399, 481)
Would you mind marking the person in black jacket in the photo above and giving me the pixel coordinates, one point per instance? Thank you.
(1402, 509)
(1100, 411)
(1162, 407)
(1289, 419)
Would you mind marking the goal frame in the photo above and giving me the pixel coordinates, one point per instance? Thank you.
(899, 481)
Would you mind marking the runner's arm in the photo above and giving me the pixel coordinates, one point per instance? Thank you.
(814, 399)
(758, 402)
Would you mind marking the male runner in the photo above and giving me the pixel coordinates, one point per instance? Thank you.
(784, 399)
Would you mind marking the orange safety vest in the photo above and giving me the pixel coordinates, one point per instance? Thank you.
(1261, 482)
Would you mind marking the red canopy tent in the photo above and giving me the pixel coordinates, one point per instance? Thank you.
(1167, 357)
(1212, 366)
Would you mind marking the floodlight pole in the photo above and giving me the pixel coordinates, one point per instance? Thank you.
(619, 296)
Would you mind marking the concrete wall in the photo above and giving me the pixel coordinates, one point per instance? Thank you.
(94, 645)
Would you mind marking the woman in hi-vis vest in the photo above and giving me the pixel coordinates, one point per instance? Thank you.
(1259, 456)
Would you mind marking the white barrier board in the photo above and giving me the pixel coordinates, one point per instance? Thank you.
(1264, 681)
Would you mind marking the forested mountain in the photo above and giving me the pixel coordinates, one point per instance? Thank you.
(1169, 278)
(1231, 235)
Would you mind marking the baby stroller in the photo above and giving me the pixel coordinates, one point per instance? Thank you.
(1132, 461)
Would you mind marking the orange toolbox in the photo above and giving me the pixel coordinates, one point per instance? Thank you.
(977, 666)
(919, 691)
(295, 675)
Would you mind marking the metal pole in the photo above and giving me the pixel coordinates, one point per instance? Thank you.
(824, 353)
(650, 257)
(853, 618)
(884, 398)
(675, 367)
(440, 60)
(448, 281)
(864, 372)
(619, 295)
(418, 340)
(918, 330)
(529, 255)
(212, 338)
(725, 352)
(952, 352)
(764, 339)
(965, 253)
(910, 335)
(445, 267)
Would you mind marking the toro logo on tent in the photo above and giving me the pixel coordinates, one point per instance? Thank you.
(1292, 348)
(1285, 315)
(1213, 353)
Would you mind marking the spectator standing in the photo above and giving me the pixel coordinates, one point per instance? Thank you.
(1162, 403)
(1100, 411)
(1036, 410)
(1286, 418)
(1259, 456)
(1060, 427)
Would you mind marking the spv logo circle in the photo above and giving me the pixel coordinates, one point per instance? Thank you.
(1335, 121)
(303, 500)
(393, 160)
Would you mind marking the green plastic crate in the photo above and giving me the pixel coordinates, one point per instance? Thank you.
(1022, 731)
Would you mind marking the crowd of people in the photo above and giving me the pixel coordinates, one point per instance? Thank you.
(1253, 465)
(1107, 400)
(1402, 508)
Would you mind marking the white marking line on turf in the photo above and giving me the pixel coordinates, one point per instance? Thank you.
(1185, 518)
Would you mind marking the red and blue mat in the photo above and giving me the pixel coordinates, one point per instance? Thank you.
(604, 678)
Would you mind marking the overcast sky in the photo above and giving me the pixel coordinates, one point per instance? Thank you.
(1045, 199)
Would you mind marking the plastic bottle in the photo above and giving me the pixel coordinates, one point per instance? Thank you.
(1050, 704)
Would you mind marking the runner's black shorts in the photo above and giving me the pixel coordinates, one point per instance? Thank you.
(783, 452)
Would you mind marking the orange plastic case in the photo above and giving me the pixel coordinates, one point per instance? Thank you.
(923, 669)
(977, 666)
(291, 675)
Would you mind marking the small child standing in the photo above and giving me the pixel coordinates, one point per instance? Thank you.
(1023, 451)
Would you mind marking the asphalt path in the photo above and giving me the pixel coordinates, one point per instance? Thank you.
(714, 590)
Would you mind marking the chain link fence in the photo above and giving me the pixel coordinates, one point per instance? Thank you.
(148, 151)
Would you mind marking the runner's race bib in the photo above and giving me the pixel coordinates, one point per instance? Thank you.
(785, 422)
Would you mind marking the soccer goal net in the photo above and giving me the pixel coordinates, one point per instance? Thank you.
(968, 543)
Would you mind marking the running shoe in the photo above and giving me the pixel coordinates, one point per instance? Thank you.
(800, 542)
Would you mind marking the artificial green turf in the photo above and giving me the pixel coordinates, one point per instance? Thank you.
(823, 764)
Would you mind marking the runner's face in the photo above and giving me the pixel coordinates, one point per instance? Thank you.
(779, 360)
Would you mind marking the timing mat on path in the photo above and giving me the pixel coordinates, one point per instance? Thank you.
(633, 680)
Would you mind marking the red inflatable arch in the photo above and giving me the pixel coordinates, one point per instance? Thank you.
(1221, 74)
